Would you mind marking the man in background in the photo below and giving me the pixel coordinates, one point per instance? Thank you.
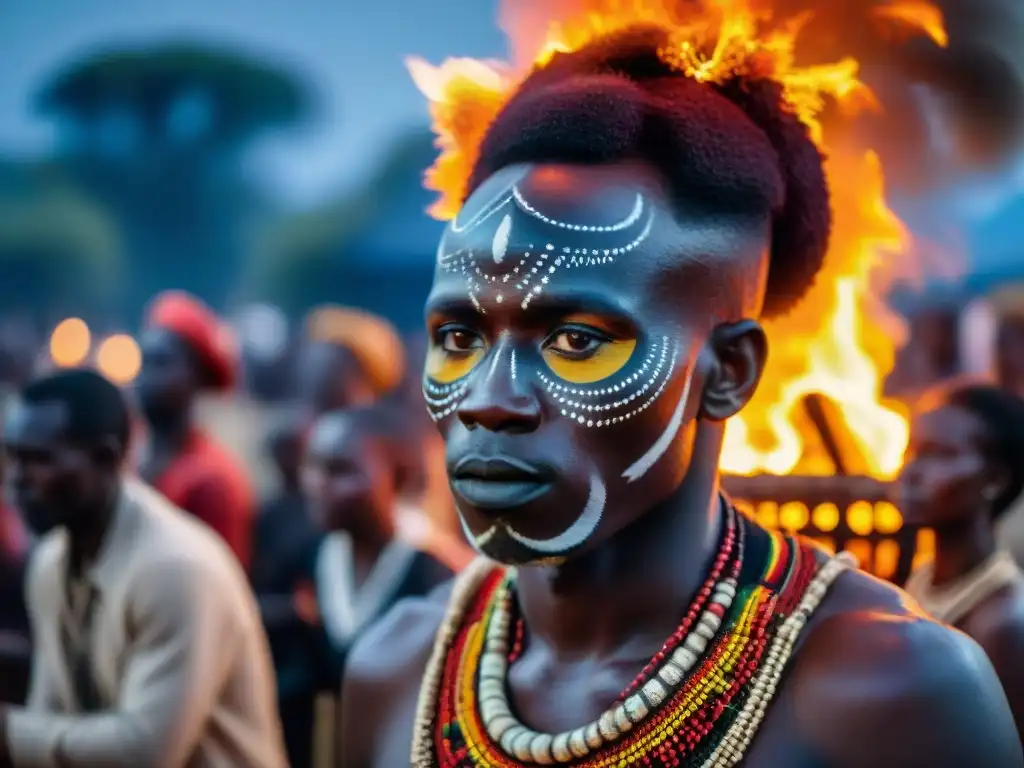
(185, 354)
(148, 644)
(1007, 348)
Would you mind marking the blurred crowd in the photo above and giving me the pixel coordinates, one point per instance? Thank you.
(334, 499)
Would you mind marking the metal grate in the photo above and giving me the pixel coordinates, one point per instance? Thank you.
(851, 513)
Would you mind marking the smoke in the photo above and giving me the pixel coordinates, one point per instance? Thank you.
(944, 109)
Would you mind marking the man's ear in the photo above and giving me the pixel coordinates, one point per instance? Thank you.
(738, 353)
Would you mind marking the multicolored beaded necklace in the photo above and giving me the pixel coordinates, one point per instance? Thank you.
(698, 702)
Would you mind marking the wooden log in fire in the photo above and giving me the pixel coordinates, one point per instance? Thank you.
(842, 447)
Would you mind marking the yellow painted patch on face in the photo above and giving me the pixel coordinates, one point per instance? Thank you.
(581, 354)
(454, 355)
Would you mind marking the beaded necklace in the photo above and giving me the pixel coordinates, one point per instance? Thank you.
(697, 703)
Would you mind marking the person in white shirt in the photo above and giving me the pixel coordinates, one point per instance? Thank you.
(149, 649)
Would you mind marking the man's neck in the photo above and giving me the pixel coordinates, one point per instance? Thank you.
(368, 544)
(961, 549)
(628, 595)
(85, 540)
(171, 433)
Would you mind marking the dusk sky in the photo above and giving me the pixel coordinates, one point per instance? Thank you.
(351, 51)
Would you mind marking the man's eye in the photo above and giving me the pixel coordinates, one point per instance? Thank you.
(458, 341)
(576, 343)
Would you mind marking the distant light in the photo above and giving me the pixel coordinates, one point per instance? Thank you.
(70, 342)
(119, 358)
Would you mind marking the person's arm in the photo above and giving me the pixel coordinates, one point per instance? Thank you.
(217, 503)
(187, 634)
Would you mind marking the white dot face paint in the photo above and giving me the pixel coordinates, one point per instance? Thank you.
(528, 276)
(621, 399)
(443, 399)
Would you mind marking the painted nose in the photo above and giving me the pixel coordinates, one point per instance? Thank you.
(499, 400)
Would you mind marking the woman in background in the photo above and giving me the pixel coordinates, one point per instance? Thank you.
(355, 475)
(964, 470)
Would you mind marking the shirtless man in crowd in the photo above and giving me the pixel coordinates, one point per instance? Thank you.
(595, 319)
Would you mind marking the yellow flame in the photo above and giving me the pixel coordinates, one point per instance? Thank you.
(834, 342)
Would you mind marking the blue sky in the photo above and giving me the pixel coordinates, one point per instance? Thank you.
(352, 51)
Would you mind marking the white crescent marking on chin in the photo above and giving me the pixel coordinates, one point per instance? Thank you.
(576, 533)
(640, 467)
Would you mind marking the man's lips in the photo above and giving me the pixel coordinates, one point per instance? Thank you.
(500, 482)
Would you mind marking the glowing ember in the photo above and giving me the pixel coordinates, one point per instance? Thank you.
(834, 342)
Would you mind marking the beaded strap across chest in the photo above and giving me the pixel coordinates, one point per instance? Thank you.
(699, 702)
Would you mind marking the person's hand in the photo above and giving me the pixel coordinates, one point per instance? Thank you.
(305, 603)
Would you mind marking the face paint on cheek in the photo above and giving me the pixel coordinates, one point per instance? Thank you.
(619, 401)
(443, 399)
(639, 468)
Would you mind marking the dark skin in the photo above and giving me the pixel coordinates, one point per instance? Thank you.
(948, 484)
(286, 445)
(1009, 353)
(330, 377)
(866, 659)
(352, 486)
(170, 380)
(60, 483)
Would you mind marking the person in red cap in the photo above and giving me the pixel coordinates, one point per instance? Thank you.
(186, 353)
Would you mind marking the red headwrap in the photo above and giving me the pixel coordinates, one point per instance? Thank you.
(196, 323)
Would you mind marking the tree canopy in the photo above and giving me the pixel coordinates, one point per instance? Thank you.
(249, 94)
(56, 246)
(303, 253)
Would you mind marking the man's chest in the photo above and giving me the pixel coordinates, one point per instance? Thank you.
(778, 742)
(84, 644)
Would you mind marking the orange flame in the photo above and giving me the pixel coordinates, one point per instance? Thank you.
(835, 342)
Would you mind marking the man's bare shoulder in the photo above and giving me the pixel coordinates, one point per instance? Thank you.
(871, 658)
(382, 678)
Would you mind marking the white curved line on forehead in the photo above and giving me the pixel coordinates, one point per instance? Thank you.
(629, 220)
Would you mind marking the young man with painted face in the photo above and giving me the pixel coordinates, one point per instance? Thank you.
(964, 471)
(594, 320)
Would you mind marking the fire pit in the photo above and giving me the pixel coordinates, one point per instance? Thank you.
(840, 512)
(845, 509)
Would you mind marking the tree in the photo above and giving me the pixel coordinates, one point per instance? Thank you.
(159, 135)
(373, 247)
(59, 251)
